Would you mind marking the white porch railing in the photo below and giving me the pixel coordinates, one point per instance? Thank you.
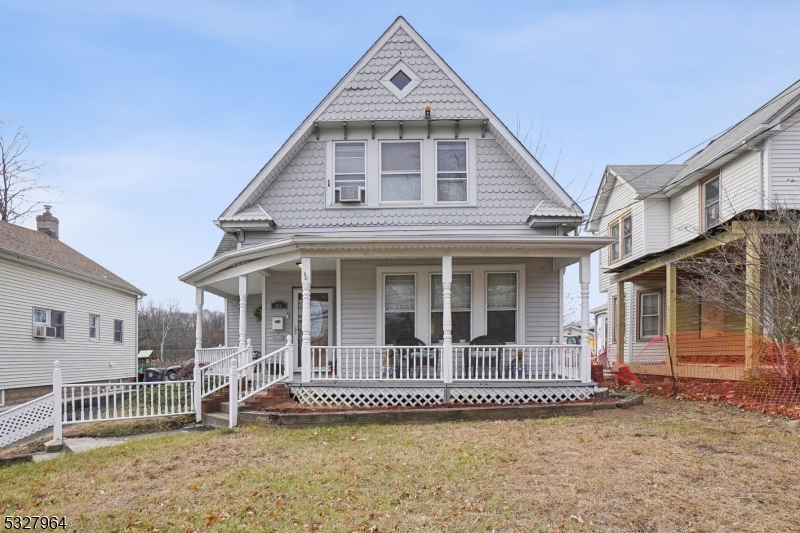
(264, 372)
(546, 362)
(366, 363)
(549, 362)
(90, 402)
(215, 376)
(26, 419)
(207, 356)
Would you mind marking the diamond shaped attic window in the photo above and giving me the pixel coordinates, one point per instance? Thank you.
(400, 80)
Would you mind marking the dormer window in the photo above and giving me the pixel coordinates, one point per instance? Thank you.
(400, 80)
(710, 195)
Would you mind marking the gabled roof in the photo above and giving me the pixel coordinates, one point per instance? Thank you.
(646, 179)
(752, 129)
(36, 247)
(344, 102)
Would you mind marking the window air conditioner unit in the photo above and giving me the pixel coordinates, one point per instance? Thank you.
(350, 194)
(39, 331)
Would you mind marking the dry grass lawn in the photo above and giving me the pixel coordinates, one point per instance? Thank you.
(664, 466)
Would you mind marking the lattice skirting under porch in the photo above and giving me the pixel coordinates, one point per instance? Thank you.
(377, 396)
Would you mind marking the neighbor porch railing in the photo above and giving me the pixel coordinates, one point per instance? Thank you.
(547, 362)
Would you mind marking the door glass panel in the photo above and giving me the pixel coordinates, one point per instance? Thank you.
(320, 335)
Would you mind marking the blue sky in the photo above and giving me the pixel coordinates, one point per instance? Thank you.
(150, 117)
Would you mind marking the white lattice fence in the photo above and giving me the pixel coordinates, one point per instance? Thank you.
(26, 419)
(368, 396)
(515, 395)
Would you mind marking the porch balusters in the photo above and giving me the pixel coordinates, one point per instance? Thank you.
(447, 320)
(305, 347)
(242, 312)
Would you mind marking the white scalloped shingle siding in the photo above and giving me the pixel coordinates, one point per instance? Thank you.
(365, 98)
(296, 198)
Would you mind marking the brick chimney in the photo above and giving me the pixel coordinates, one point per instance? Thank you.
(47, 223)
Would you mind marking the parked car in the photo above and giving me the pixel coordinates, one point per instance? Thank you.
(181, 371)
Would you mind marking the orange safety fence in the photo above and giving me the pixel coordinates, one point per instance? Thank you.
(714, 367)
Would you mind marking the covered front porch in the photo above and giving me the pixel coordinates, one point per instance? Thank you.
(405, 322)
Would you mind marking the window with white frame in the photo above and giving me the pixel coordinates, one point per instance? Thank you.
(48, 323)
(399, 307)
(710, 190)
(649, 314)
(349, 171)
(460, 306)
(94, 327)
(401, 171)
(451, 171)
(501, 305)
(118, 331)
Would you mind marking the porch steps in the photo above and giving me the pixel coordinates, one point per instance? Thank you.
(217, 420)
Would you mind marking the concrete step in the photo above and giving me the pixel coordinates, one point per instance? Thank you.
(217, 420)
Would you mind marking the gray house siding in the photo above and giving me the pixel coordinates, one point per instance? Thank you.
(784, 163)
(656, 224)
(740, 185)
(684, 215)
(28, 362)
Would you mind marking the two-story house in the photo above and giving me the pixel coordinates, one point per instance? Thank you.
(660, 214)
(401, 226)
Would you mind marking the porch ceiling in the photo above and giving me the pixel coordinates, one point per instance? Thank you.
(342, 246)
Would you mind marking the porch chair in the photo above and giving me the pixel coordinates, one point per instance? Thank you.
(408, 362)
(482, 362)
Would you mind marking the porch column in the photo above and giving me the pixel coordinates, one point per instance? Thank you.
(447, 319)
(585, 273)
(672, 316)
(198, 329)
(305, 347)
(752, 323)
(619, 318)
(242, 312)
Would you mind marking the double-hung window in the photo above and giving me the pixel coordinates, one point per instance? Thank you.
(399, 307)
(118, 331)
(349, 171)
(451, 171)
(94, 327)
(48, 323)
(401, 171)
(649, 314)
(710, 203)
(501, 309)
(621, 230)
(460, 308)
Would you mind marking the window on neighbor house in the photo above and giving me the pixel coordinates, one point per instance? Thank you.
(501, 306)
(401, 174)
(118, 331)
(451, 171)
(399, 306)
(49, 322)
(621, 230)
(710, 203)
(94, 327)
(460, 308)
(349, 170)
(649, 314)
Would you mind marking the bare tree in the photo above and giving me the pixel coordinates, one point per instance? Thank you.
(768, 246)
(19, 176)
(158, 322)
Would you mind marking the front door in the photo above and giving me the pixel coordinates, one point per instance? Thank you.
(321, 325)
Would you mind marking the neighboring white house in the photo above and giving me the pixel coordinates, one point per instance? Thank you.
(402, 210)
(658, 214)
(600, 327)
(56, 304)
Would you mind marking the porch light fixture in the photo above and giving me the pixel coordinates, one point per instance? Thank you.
(299, 264)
